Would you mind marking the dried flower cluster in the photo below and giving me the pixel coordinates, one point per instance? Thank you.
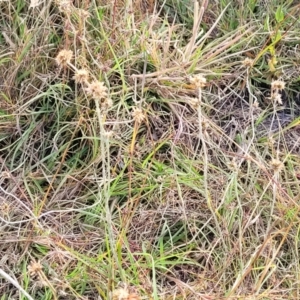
(65, 6)
(124, 294)
(199, 81)
(276, 87)
(83, 14)
(276, 165)
(81, 76)
(248, 62)
(96, 89)
(34, 3)
(34, 268)
(138, 115)
(64, 57)
(194, 102)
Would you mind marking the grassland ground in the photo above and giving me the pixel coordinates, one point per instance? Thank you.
(149, 149)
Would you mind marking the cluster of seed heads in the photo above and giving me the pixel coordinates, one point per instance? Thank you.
(276, 87)
(93, 88)
(199, 82)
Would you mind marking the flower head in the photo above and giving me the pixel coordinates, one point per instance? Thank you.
(276, 97)
(120, 294)
(81, 76)
(64, 5)
(278, 85)
(34, 3)
(194, 103)
(97, 90)
(248, 62)
(198, 80)
(124, 294)
(83, 14)
(64, 57)
(106, 103)
(34, 268)
(276, 165)
(138, 115)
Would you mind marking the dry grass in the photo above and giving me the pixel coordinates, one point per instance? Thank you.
(149, 150)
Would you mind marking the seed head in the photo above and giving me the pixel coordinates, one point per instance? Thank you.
(276, 165)
(277, 98)
(248, 62)
(97, 90)
(194, 103)
(278, 85)
(64, 5)
(81, 76)
(138, 115)
(106, 104)
(120, 294)
(133, 297)
(233, 165)
(198, 80)
(34, 3)
(124, 294)
(83, 14)
(34, 268)
(64, 57)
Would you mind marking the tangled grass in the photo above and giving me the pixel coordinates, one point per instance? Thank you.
(149, 149)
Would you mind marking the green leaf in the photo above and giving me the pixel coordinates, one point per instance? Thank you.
(279, 15)
(267, 22)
